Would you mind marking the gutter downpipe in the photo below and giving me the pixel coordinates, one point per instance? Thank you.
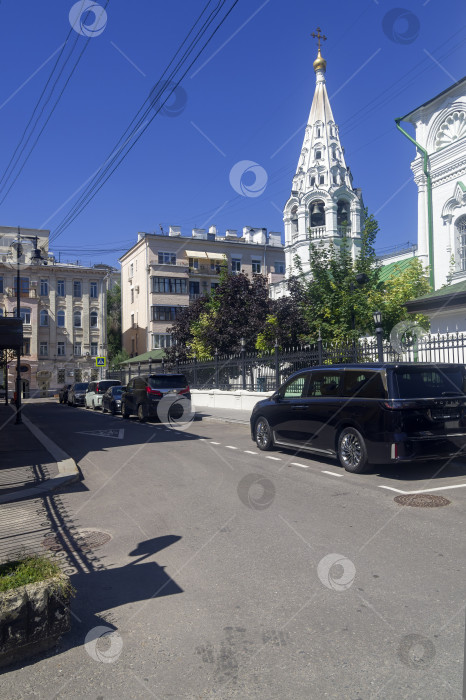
(425, 164)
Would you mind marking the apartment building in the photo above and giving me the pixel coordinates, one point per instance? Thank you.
(161, 274)
(63, 307)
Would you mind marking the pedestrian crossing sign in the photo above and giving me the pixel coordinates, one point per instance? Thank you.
(100, 361)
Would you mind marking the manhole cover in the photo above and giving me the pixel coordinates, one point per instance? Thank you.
(84, 539)
(422, 500)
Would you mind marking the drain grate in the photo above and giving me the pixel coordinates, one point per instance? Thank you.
(422, 500)
(84, 539)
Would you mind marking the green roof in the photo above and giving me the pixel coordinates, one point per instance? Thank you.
(155, 355)
(394, 269)
(459, 287)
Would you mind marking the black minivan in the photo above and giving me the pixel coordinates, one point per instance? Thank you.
(143, 395)
(367, 414)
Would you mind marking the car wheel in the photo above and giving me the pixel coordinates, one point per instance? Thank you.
(124, 411)
(352, 451)
(142, 414)
(112, 410)
(263, 433)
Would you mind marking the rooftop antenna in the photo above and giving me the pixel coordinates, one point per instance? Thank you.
(161, 228)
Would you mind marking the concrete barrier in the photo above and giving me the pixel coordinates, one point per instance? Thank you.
(215, 398)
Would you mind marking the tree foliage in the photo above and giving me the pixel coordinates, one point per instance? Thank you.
(113, 322)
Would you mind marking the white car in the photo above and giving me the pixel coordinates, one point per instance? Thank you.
(95, 392)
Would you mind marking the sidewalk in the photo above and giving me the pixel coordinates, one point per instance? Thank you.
(31, 465)
(226, 415)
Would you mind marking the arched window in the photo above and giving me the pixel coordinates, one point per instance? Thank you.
(318, 154)
(461, 233)
(77, 319)
(343, 217)
(61, 318)
(44, 317)
(294, 220)
(94, 317)
(313, 181)
(317, 213)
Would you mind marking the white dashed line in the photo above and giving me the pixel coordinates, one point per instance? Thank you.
(331, 473)
(277, 459)
(230, 447)
(297, 464)
(250, 452)
(214, 443)
(437, 488)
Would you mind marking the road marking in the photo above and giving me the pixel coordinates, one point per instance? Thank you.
(230, 447)
(437, 488)
(331, 473)
(250, 452)
(115, 434)
(277, 459)
(214, 443)
(297, 464)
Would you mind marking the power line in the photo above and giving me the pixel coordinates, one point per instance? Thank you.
(104, 174)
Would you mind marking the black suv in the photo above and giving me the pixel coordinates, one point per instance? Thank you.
(367, 414)
(76, 394)
(143, 395)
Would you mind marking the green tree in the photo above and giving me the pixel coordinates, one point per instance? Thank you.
(113, 323)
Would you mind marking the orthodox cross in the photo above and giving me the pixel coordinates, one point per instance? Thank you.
(320, 37)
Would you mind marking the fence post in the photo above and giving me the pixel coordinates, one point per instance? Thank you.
(277, 365)
(139, 368)
(320, 354)
(243, 362)
(216, 369)
(150, 366)
(163, 365)
(129, 371)
(195, 371)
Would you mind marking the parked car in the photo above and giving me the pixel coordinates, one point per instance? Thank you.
(367, 414)
(111, 400)
(63, 393)
(76, 394)
(143, 394)
(95, 392)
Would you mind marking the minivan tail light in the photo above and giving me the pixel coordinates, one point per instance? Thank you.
(396, 404)
(153, 392)
(185, 391)
(96, 388)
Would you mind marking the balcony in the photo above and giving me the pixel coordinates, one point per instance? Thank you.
(205, 270)
(29, 294)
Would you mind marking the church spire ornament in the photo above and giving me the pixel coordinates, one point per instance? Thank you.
(320, 63)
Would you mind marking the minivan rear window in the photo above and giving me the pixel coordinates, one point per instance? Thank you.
(168, 381)
(425, 383)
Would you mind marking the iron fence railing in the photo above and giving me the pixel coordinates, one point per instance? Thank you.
(266, 371)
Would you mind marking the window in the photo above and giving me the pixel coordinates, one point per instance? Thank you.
(324, 384)
(421, 383)
(1, 284)
(132, 320)
(318, 132)
(43, 349)
(131, 271)
(235, 265)
(194, 263)
(364, 385)
(93, 293)
(461, 232)
(23, 285)
(294, 389)
(78, 375)
(194, 289)
(24, 313)
(44, 318)
(44, 288)
(214, 285)
(61, 288)
(279, 267)
(61, 376)
(313, 181)
(77, 290)
(166, 313)
(161, 340)
(318, 155)
(169, 285)
(94, 350)
(321, 180)
(167, 258)
(256, 267)
(61, 348)
(61, 318)
(26, 346)
(132, 347)
(77, 319)
(132, 295)
(77, 349)
(94, 318)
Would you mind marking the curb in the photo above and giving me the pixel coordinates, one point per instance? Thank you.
(68, 471)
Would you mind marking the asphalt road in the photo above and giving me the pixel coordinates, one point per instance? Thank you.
(230, 573)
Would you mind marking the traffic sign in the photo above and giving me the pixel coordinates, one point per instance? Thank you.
(100, 361)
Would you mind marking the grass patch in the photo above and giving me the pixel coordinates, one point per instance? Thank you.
(29, 570)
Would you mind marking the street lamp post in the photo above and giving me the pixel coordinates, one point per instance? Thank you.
(243, 361)
(19, 252)
(361, 279)
(377, 316)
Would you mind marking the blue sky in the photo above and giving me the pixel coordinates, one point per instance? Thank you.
(247, 98)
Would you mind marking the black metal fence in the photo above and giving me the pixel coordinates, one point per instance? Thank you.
(265, 372)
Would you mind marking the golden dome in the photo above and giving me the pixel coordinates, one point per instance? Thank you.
(320, 63)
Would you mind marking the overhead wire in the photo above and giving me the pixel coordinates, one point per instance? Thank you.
(143, 122)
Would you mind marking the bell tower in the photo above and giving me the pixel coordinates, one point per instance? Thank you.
(324, 205)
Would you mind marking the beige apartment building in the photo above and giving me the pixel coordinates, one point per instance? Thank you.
(63, 307)
(161, 274)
